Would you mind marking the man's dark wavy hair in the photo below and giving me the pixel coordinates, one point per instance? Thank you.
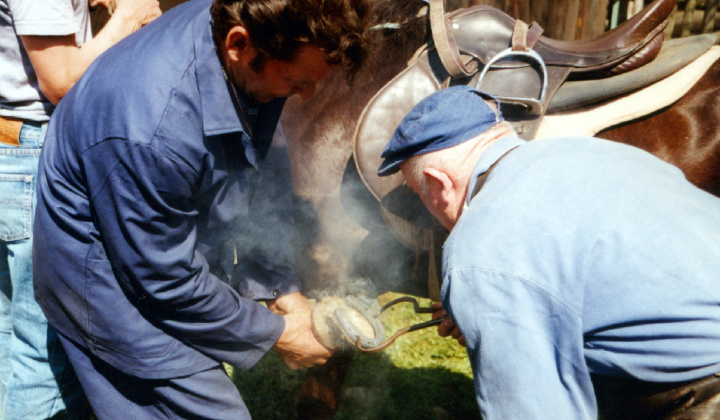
(277, 28)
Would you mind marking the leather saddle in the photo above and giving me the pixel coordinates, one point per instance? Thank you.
(484, 47)
(487, 48)
(465, 51)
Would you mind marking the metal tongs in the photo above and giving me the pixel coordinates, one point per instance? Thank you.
(419, 310)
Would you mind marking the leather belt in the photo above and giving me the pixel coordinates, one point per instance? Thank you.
(10, 131)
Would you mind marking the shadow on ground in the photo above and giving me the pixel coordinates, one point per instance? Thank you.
(375, 389)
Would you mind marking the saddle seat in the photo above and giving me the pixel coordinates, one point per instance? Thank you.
(524, 69)
(481, 32)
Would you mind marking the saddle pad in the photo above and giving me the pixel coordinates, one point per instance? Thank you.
(592, 119)
(674, 55)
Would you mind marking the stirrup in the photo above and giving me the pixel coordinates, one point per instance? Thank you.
(533, 106)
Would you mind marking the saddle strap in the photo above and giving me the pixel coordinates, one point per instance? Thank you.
(525, 37)
(483, 177)
(445, 43)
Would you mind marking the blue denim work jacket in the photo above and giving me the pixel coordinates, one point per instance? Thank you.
(157, 227)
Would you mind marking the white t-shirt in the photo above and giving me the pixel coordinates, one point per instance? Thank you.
(20, 96)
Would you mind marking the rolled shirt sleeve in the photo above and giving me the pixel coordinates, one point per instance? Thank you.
(45, 18)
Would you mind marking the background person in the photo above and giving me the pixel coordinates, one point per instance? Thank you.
(153, 242)
(45, 46)
(582, 273)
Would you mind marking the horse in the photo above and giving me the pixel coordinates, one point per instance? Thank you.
(683, 134)
(343, 231)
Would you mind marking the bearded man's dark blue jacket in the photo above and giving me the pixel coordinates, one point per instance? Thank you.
(157, 227)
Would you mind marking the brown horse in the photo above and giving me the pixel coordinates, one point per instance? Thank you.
(341, 231)
(319, 134)
(686, 134)
(347, 235)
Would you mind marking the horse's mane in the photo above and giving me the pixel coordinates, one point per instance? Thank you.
(399, 29)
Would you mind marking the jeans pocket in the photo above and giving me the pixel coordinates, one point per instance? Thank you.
(16, 193)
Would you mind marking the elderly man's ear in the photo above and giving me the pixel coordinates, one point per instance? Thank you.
(441, 187)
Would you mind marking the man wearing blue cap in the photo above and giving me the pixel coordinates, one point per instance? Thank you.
(582, 273)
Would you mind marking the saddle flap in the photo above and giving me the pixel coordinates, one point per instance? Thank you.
(379, 119)
(375, 127)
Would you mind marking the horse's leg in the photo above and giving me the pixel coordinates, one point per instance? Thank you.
(319, 135)
(685, 134)
(319, 132)
(321, 390)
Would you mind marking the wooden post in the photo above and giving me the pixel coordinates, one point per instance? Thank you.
(514, 6)
(583, 8)
(525, 14)
(623, 6)
(636, 6)
(668, 33)
(591, 18)
(562, 18)
(539, 13)
(708, 24)
(688, 17)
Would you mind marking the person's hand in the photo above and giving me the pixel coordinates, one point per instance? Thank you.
(447, 327)
(297, 345)
(294, 302)
(141, 12)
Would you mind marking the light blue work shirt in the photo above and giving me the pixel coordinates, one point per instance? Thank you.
(582, 256)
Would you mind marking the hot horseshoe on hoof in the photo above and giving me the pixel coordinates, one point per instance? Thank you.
(341, 323)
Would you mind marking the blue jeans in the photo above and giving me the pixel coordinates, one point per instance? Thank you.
(36, 379)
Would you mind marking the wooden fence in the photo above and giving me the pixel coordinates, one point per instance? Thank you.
(582, 19)
(693, 17)
(570, 19)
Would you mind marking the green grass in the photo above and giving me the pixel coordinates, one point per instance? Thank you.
(421, 376)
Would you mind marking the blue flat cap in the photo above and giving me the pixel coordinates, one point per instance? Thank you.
(444, 119)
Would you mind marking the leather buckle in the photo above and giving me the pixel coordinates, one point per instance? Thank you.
(10, 131)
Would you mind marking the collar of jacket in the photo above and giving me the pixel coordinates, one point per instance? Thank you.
(218, 111)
